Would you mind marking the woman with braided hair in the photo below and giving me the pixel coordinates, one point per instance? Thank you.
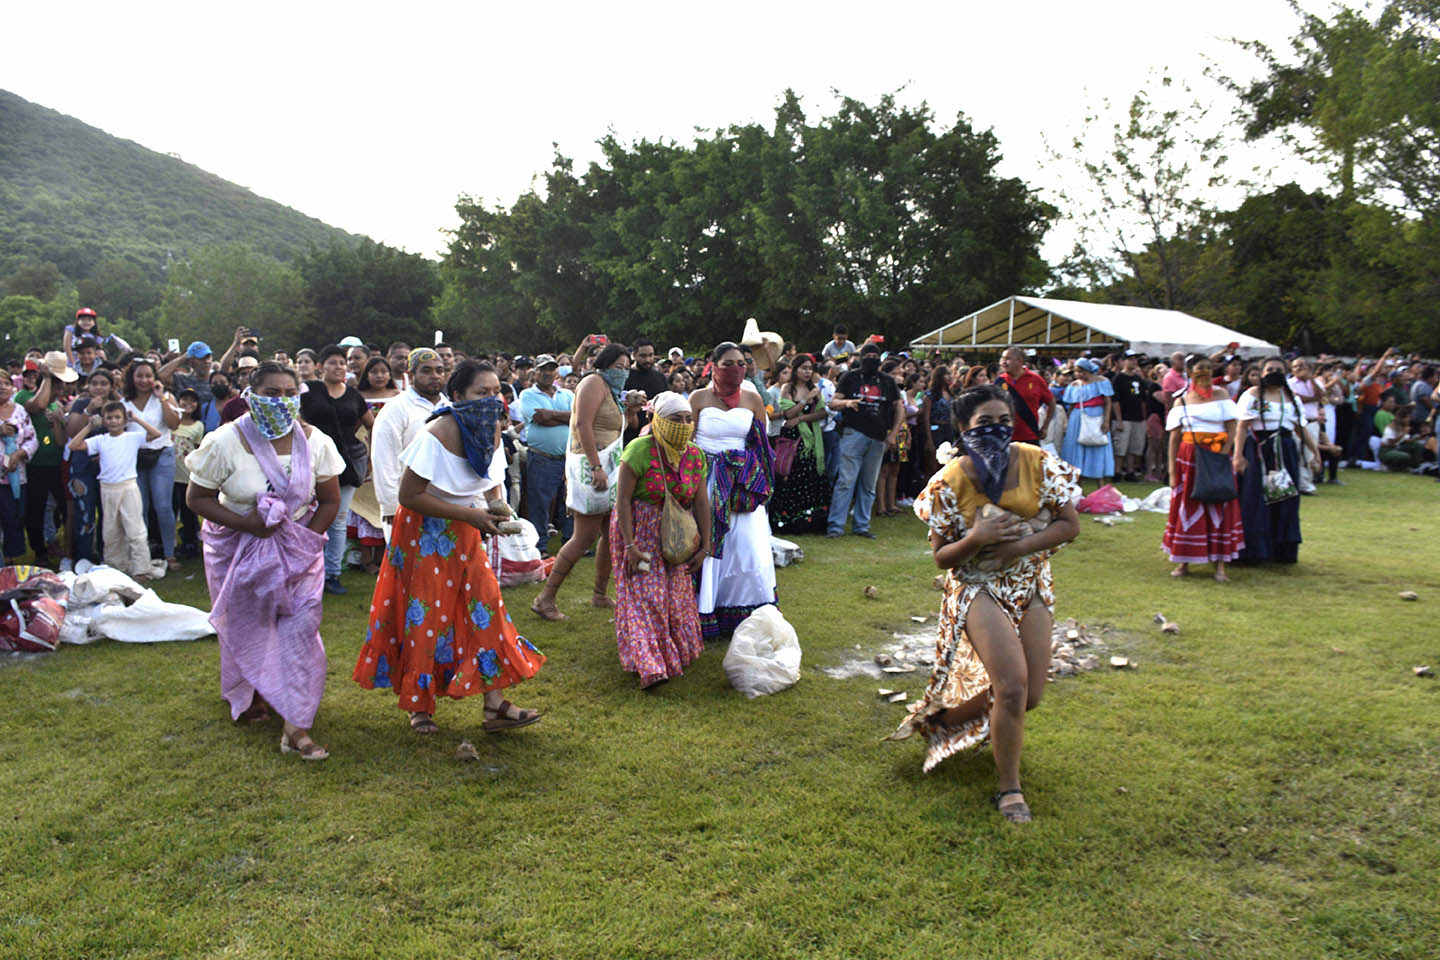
(438, 624)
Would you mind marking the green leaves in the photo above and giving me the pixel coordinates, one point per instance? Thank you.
(872, 217)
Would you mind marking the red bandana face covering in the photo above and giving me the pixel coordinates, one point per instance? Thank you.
(726, 381)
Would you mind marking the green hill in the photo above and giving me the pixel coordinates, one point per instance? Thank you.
(75, 196)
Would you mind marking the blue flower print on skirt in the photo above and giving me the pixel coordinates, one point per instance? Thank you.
(435, 537)
(397, 558)
(445, 647)
(382, 672)
(415, 612)
(489, 665)
(479, 615)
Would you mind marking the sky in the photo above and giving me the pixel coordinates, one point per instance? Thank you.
(375, 117)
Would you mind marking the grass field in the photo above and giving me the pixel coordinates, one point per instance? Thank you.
(1266, 784)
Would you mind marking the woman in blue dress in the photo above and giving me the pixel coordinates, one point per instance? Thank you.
(1089, 399)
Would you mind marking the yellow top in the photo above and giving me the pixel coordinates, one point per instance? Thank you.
(609, 424)
(1023, 499)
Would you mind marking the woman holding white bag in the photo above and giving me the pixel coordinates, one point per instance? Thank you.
(1087, 435)
(592, 464)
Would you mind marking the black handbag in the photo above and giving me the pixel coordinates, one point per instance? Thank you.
(1213, 479)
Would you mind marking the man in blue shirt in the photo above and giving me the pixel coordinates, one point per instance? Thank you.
(545, 409)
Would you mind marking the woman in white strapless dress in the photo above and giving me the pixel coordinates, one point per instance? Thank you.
(739, 576)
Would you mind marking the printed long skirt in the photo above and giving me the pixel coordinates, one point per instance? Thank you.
(438, 624)
(657, 623)
(1272, 530)
(801, 501)
(1200, 532)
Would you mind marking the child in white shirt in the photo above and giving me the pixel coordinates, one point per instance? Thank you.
(127, 547)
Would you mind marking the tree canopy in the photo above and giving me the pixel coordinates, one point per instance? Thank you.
(875, 217)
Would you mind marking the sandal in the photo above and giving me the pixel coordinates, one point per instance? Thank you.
(422, 723)
(303, 745)
(1016, 812)
(171, 563)
(601, 601)
(553, 614)
(257, 711)
(501, 719)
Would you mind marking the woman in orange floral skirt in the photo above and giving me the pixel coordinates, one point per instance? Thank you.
(992, 655)
(438, 624)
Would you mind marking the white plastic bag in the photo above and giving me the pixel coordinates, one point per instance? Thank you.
(785, 552)
(764, 654)
(516, 558)
(1157, 501)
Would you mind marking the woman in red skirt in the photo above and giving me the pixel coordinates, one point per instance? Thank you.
(438, 624)
(1204, 415)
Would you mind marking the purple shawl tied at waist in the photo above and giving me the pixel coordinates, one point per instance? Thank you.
(744, 480)
(265, 592)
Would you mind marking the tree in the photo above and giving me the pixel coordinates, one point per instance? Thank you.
(1147, 188)
(221, 288)
(370, 290)
(43, 281)
(873, 216)
(119, 289)
(1361, 96)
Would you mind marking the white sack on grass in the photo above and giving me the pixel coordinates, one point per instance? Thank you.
(107, 603)
(1157, 501)
(785, 552)
(152, 620)
(764, 654)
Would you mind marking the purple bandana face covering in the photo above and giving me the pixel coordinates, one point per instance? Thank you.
(989, 450)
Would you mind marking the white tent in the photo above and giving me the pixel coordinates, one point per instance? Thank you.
(1071, 326)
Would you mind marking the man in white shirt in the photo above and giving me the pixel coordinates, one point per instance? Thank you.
(1308, 392)
(399, 422)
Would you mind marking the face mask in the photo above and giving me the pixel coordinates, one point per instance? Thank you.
(615, 378)
(1275, 378)
(989, 450)
(673, 437)
(219, 390)
(274, 416)
(869, 364)
(727, 380)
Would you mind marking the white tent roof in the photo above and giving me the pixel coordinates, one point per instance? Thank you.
(1073, 325)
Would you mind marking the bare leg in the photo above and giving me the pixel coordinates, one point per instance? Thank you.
(999, 647)
(1036, 627)
(588, 527)
(602, 566)
(1220, 575)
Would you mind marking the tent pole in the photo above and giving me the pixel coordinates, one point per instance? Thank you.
(1049, 322)
(1010, 333)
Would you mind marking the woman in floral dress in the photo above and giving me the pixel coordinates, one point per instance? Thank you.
(993, 653)
(801, 502)
(657, 622)
(438, 624)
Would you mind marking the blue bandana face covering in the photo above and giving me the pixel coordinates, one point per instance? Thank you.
(615, 378)
(273, 416)
(476, 420)
(989, 450)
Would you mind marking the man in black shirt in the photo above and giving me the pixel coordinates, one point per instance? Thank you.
(1128, 414)
(871, 418)
(644, 376)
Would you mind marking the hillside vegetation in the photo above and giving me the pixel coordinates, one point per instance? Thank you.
(75, 196)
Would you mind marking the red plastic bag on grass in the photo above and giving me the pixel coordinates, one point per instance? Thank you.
(32, 608)
(1105, 500)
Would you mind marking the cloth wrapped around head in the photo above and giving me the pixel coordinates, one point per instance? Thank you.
(420, 355)
(670, 434)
